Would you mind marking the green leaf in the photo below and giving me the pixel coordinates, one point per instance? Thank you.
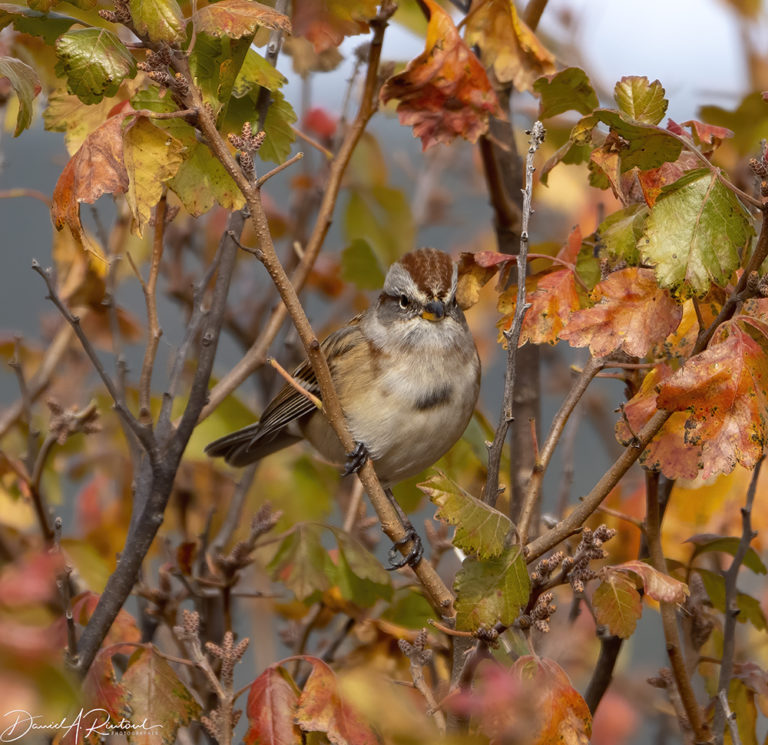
(152, 157)
(409, 608)
(749, 608)
(237, 18)
(154, 694)
(280, 116)
(95, 62)
(156, 99)
(215, 64)
(481, 530)
(641, 100)
(360, 266)
(567, 90)
(695, 233)
(708, 542)
(256, 73)
(27, 21)
(749, 121)
(491, 591)
(301, 563)
(588, 266)
(380, 215)
(618, 234)
(202, 181)
(160, 20)
(359, 575)
(25, 82)
(617, 604)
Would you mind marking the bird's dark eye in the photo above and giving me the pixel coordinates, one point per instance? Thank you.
(404, 302)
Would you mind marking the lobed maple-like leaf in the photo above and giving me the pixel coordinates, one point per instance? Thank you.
(508, 45)
(631, 313)
(95, 62)
(617, 604)
(237, 18)
(641, 100)
(481, 530)
(322, 708)
(326, 23)
(444, 93)
(724, 389)
(668, 451)
(272, 701)
(695, 233)
(24, 81)
(491, 591)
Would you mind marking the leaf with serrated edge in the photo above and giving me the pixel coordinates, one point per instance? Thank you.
(271, 707)
(631, 313)
(567, 90)
(491, 591)
(641, 100)
(152, 157)
(321, 708)
(481, 530)
(155, 695)
(160, 20)
(657, 585)
(95, 62)
(237, 18)
(25, 82)
(619, 232)
(617, 604)
(695, 233)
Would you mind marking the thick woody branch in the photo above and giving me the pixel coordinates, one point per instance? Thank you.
(491, 491)
(731, 610)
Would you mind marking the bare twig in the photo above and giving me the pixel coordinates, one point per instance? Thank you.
(512, 336)
(235, 511)
(731, 610)
(285, 375)
(533, 493)
(730, 718)
(277, 169)
(418, 656)
(312, 143)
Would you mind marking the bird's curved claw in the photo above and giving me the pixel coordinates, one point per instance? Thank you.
(356, 459)
(413, 557)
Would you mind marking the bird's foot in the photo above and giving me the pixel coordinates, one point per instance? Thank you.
(413, 557)
(356, 459)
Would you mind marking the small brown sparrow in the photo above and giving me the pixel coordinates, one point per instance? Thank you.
(406, 371)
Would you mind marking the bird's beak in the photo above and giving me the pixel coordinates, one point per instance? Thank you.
(434, 310)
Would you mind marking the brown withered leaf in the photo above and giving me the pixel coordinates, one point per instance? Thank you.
(508, 45)
(631, 313)
(444, 93)
(96, 168)
(272, 701)
(474, 274)
(238, 18)
(724, 389)
(656, 584)
(326, 23)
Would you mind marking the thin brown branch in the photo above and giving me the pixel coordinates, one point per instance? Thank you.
(255, 357)
(188, 114)
(512, 336)
(32, 193)
(669, 614)
(731, 609)
(154, 332)
(418, 656)
(285, 375)
(533, 12)
(312, 143)
(277, 169)
(533, 493)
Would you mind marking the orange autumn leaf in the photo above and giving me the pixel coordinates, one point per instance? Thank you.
(724, 389)
(326, 23)
(271, 707)
(444, 93)
(632, 313)
(96, 168)
(668, 452)
(508, 45)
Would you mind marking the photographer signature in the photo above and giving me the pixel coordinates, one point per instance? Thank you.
(17, 723)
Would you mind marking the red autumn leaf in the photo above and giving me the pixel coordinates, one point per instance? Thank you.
(655, 179)
(31, 581)
(707, 134)
(668, 452)
(632, 313)
(487, 259)
(96, 168)
(326, 23)
(271, 709)
(444, 93)
(124, 628)
(321, 708)
(563, 715)
(320, 122)
(238, 18)
(724, 391)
